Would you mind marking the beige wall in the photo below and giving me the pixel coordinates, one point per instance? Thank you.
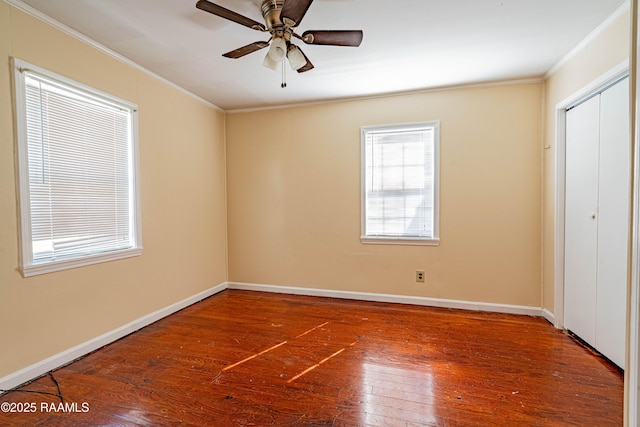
(609, 49)
(182, 172)
(294, 197)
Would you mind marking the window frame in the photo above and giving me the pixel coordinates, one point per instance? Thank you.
(27, 266)
(401, 240)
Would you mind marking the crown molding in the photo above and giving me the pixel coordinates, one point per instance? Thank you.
(23, 7)
(523, 81)
(625, 7)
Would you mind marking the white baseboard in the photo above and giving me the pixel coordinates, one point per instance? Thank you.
(37, 369)
(398, 299)
(551, 318)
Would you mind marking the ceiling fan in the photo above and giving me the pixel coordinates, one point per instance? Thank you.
(282, 17)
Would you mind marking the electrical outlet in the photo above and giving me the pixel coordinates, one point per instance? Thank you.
(419, 275)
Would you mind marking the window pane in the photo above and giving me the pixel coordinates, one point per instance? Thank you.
(399, 179)
(80, 173)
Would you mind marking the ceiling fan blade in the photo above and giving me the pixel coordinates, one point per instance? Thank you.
(333, 38)
(294, 11)
(220, 11)
(308, 66)
(245, 50)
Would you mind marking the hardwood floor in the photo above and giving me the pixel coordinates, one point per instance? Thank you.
(252, 359)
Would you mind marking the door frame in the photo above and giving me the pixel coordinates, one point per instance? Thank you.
(632, 374)
(583, 94)
(632, 381)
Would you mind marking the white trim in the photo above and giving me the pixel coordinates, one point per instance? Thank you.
(549, 316)
(396, 299)
(633, 333)
(589, 38)
(370, 240)
(18, 94)
(616, 73)
(42, 367)
(477, 85)
(50, 267)
(23, 7)
(27, 266)
(21, 66)
(632, 373)
(57, 360)
(558, 249)
(401, 240)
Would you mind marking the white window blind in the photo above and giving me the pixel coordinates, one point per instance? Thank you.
(80, 192)
(400, 183)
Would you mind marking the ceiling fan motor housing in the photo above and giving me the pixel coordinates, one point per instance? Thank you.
(281, 21)
(271, 12)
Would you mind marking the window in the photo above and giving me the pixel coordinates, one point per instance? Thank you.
(400, 184)
(77, 161)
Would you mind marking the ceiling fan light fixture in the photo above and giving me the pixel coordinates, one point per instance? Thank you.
(278, 49)
(296, 58)
(282, 18)
(270, 63)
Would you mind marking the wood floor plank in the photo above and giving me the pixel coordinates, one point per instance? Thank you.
(244, 358)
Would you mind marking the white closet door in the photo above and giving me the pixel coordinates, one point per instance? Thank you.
(581, 231)
(613, 222)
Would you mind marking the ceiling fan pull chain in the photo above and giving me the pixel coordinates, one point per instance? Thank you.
(284, 76)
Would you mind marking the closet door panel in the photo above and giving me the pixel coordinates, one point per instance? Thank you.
(581, 232)
(613, 222)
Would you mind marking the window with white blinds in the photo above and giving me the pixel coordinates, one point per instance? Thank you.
(77, 160)
(400, 184)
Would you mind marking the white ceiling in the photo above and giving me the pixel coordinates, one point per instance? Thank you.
(408, 44)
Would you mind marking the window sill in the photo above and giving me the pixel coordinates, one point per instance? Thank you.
(370, 240)
(50, 267)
